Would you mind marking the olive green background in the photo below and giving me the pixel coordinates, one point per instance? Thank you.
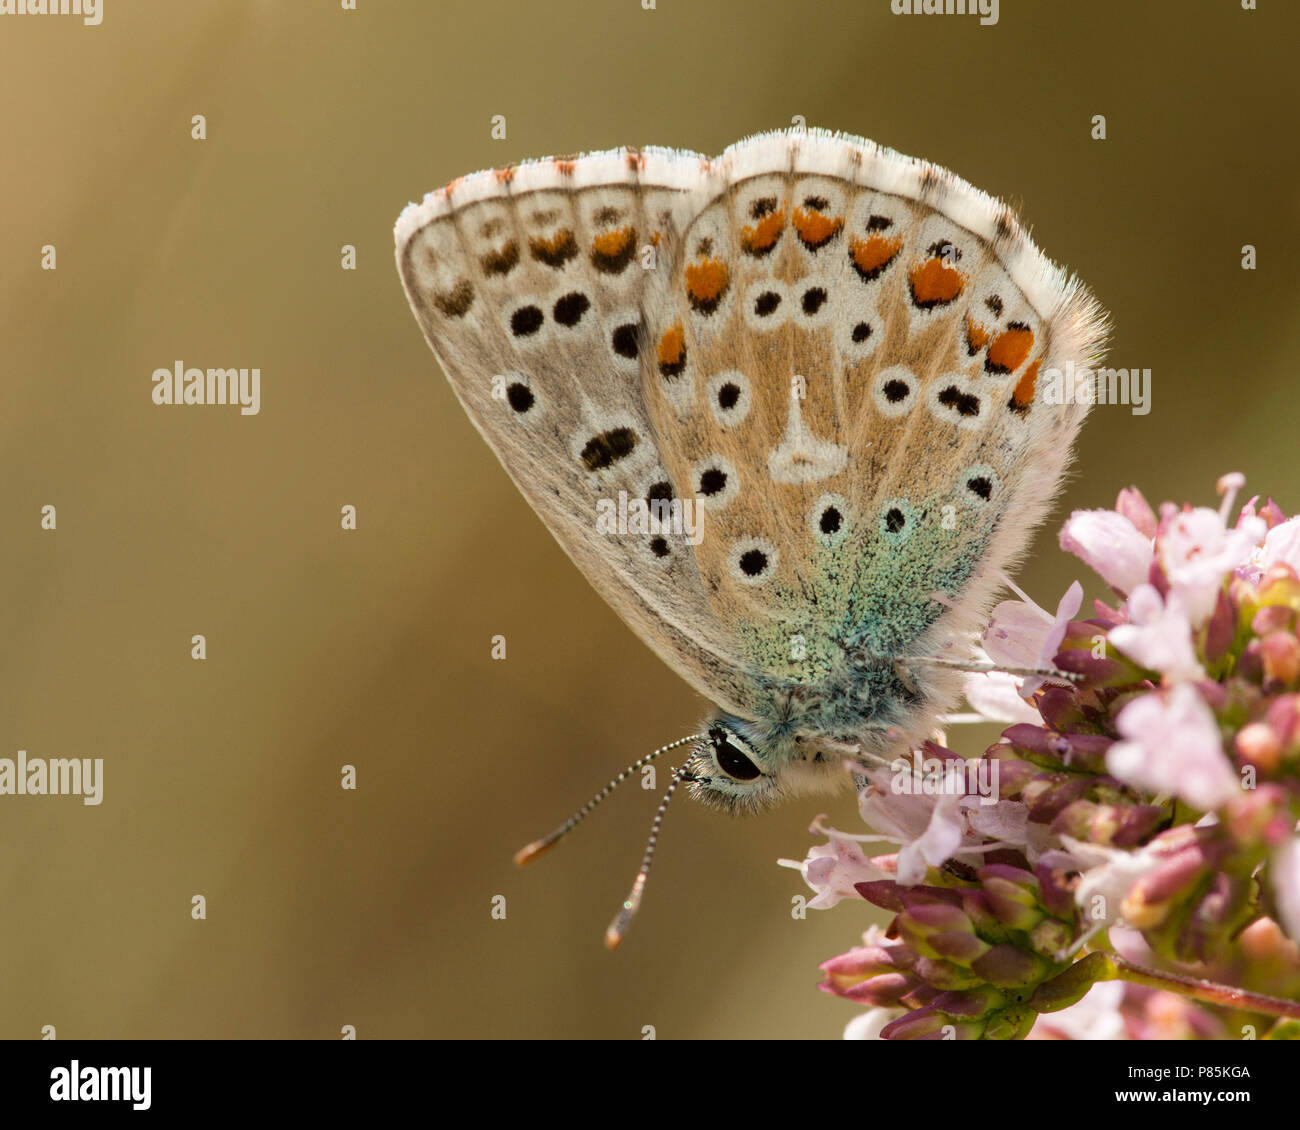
(325, 648)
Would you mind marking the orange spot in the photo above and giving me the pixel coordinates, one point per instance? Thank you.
(505, 176)
(873, 254)
(564, 168)
(671, 347)
(764, 234)
(706, 282)
(1023, 395)
(815, 229)
(977, 336)
(612, 244)
(1009, 349)
(655, 238)
(934, 283)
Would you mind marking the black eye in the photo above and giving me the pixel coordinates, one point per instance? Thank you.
(731, 761)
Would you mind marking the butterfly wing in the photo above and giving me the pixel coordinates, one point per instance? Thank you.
(529, 285)
(848, 353)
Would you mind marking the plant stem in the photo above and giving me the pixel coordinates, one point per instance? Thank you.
(1207, 991)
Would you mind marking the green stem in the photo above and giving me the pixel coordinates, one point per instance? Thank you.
(1208, 991)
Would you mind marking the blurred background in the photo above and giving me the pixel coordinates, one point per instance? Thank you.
(371, 648)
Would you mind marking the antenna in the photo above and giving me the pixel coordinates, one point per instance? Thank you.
(623, 919)
(537, 847)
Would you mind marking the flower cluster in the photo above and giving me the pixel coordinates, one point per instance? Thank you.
(1143, 821)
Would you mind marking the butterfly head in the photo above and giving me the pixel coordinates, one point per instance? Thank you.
(736, 767)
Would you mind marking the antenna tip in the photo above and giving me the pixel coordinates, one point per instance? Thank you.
(531, 851)
(623, 919)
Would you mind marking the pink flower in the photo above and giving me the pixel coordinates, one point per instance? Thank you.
(1021, 634)
(1158, 635)
(1285, 875)
(1109, 544)
(1197, 551)
(1173, 747)
(1108, 874)
(996, 695)
(930, 829)
(1281, 543)
(831, 869)
(1137, 510)
(936, 845)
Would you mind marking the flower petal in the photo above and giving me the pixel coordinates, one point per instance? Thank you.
(1173, 746)
(1109, 544)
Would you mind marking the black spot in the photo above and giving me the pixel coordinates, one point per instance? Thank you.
(659, 546)
(713, 481)
(728, 395)
(980, 486)
(994, 303)
(608, 448)
(502, 261)
(624, 340)
(763, 206)
(526, 320)
(816, 203)
(965, 403)
(455, 303)
(556, 251)
(570, 309)
(753, 562)
(661, 491)
(766, 302)
(945, 250)
(895, 391)
(813, 298)
(879, 223)
(1002, 225)
(861, 332)
(520, 397)
(830, 520)
(894, 520)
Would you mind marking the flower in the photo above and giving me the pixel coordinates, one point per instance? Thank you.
(1021, 634)
(1110, 544)
(1158, 635)
(834, 868)
(1146, 812)
(1285, 879)
(1197, 551)
(1173, 746)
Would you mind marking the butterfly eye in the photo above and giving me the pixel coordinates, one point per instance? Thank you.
(731, 761)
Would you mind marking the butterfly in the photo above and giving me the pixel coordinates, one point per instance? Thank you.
(810, 377)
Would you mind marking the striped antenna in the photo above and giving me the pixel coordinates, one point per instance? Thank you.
(623, 919)
(537, 847)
